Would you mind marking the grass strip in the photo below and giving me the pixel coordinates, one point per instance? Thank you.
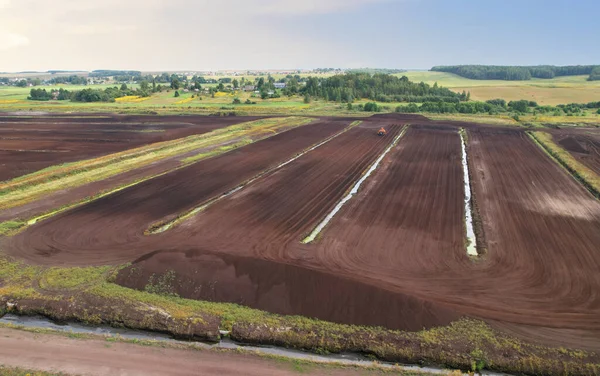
(588, 178)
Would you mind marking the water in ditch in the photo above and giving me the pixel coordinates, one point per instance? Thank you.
(471, 240)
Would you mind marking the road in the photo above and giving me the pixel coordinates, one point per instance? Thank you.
(78, 356)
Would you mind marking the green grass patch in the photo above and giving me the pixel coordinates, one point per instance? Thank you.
(10, 227)
(221, 150)
(69, 278)
(12, 371)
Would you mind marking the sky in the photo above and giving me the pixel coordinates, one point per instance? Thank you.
(195, 35)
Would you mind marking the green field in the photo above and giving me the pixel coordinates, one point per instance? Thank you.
(560, 90)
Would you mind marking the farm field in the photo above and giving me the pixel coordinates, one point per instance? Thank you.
(31, 144)
(229, 229)
(559, 90)
(129, 213)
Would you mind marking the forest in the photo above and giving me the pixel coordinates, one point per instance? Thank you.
(519, 73)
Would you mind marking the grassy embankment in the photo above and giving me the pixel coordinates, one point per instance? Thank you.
(588, 178)
(28, 188)
(88, 295)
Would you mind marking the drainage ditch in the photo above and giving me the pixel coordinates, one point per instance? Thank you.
(470, 231)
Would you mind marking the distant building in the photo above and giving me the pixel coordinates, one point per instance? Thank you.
(249, 88)
(279, 85)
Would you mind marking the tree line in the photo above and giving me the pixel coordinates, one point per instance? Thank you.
(378, 87)
(498, 106)
(87, 95)
(518, 73)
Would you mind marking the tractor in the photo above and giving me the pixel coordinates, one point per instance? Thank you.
(382, 132)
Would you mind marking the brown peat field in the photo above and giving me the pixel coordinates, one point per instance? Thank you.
(312, 233)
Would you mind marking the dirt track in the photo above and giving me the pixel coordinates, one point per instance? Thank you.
(54, 353)
(31, 144)
(398, 244)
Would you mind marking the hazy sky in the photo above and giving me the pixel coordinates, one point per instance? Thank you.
(253, 34)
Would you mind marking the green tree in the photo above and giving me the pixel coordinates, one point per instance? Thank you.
(350, 107)
(176, 93)
(237, 101)
(175, 83)
(236, 83)
(123, 87)
(144, 85)
(371, 107)
(306, 98)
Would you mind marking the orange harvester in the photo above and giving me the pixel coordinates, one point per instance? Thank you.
(382, 132)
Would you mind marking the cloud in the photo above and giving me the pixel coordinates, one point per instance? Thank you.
(91, 29)
(294, 7)
(10, 40)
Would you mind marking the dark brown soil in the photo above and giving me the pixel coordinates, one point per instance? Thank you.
(583, 144)
(398, 244)
(127, 214)
(28, 144)
(279, 288)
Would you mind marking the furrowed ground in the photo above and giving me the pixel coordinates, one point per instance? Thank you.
(31, 144)
(127, 214)
(394, 256)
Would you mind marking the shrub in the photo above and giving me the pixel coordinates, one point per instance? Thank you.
(176, 93)
(371, 107)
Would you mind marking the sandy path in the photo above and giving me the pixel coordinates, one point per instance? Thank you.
(54, 353)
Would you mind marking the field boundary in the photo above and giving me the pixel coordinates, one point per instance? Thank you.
(574, 168)
(162, 226)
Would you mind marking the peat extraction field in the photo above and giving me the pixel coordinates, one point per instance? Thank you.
(419, 234)
(29, 144)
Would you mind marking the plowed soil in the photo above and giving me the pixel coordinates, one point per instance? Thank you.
(29, 144)
(393, 256)
(127, 214)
